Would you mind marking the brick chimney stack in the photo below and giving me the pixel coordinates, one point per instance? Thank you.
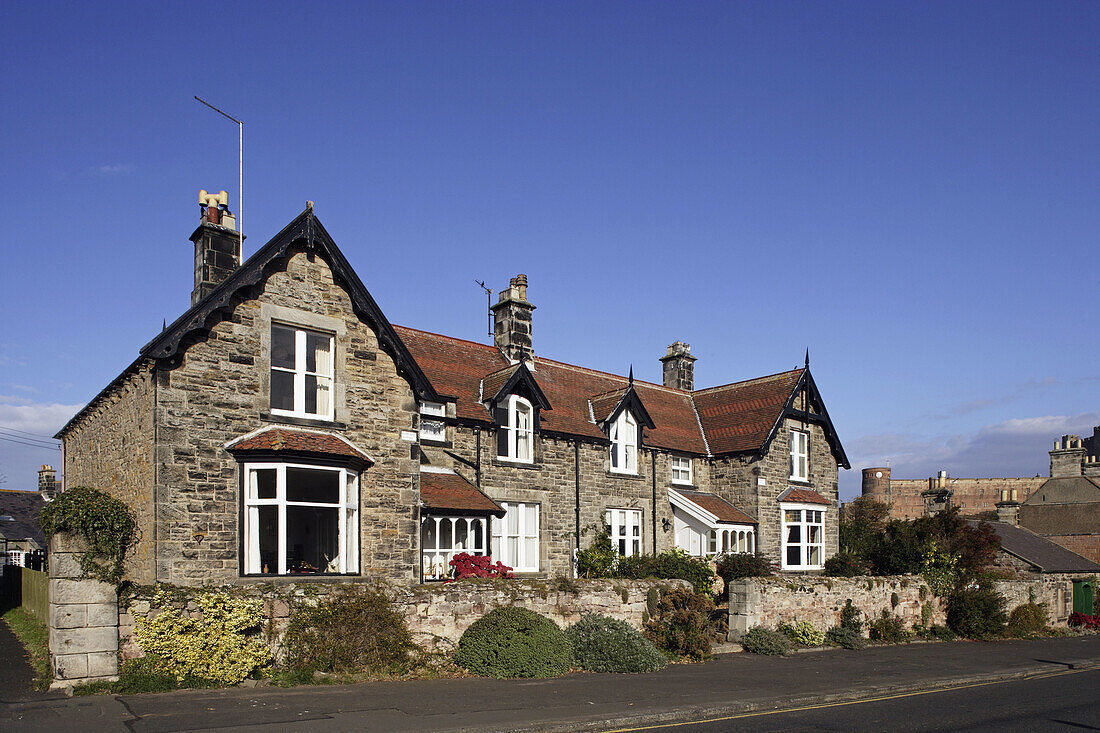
(217, 244)
(47, 482)
(1068, 457)
(679, 367)
(1008, 508)
(512, 321)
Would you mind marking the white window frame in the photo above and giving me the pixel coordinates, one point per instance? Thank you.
(347, 559)
(431, 428)
(622, 524)
(435, 562)
(810, 516)
(300, 372)
(680, 469)
(624, 444)
(800, 455)
(528, 516)
(731, 540)
(521, 431)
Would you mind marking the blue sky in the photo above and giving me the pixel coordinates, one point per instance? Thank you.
(908, 190)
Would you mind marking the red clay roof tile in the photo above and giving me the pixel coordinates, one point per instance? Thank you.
(301, 441)
(804, 496)
(717, 506)
(451, 492)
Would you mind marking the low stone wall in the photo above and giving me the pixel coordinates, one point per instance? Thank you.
(1055, 590)
(437, 614)
(83, 618)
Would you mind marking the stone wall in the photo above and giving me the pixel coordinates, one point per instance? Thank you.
(437, 614)
(972, 495)
(83, 619)
(1055, 590)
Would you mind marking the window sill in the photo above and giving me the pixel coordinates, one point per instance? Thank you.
(509, 463)
(626, 475)
(682, 484)
(307, 577)
(436, 443)
(305, 422)
(801, 482)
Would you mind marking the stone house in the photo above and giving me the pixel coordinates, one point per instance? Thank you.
(283, 426)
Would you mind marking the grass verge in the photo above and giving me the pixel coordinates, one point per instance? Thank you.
(35, 638)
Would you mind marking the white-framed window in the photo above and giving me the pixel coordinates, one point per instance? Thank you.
(626, 530)
(517, 441)
(301, 372)
(681, 469)
(803, 536)
(431, 421)
(732, 540)
(300, 519)
(624, 444)
(516, 537)
(443, 537)
(800, 455)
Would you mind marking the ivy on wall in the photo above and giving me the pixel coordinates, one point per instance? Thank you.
(106, 524)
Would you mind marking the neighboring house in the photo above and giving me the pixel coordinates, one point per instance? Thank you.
(20, 529)
(283, 426)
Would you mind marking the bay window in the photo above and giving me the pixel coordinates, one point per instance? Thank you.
(624, 444)
(803, 537)
(626, 530)
(800, 456)
(516, 537)
(300, 519)
(301, 372)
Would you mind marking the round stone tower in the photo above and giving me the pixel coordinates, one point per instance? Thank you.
(876, 483)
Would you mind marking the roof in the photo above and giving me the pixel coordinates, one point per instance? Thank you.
(451, 492)
(723, 511)
(24, 508)
(1044, 554)
(803, 496)
(738, 417)
(287, 441)
(1065, 490)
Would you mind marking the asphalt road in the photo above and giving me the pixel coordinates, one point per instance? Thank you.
(1065, 701)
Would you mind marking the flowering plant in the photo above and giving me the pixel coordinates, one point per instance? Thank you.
(478, 566)
(1083, 619)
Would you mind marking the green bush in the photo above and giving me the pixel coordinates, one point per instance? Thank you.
(680, 623)
(851, 618)
(743, 565)
(1027, 619)
(942, 633)
(667, 565)
(840, 636)
(355, 630)
(106, 524)
(976, 611)
(889, 629)
(802, 633)
(598, 559)
(604, 644)
(845, 565)
(223, 647)
(759, 640)
(514, 642)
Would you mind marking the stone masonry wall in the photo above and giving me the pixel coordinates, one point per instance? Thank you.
(437, 614)
(220, 391)
(971, 495)
(111, 449)
(83, 618)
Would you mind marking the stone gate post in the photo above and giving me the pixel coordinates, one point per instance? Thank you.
(83, 618)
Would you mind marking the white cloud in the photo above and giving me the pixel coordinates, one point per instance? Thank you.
(21, 453)
(39, 418)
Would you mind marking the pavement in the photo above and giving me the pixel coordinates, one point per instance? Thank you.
(727, 684)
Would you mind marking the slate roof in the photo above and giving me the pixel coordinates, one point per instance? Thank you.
(725, 512)
(24, 508)
(740, 416)
(1066, 490)
(293, 440)
(803, 496)
(451, 492)
(1044, 554)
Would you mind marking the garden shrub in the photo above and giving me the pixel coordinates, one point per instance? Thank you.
(356, 629)
(106, 524)
(976, 610)
(760, 640)
(802, 633)
(478, 566)
(845, 565)
(598, 559)
(1027, 619)
(888, 628)
(681, 623)
(1084, 620)
(851, 618)
(222, 647)
(743, 565)
(667, 565)
(514, 642)
(604, 644)
(840, 636)
(942, 633)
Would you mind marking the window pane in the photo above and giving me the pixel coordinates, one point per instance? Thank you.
(282, 390)
(311, 394)
(478, 542)
(531, 553)
(312, 539)
(813, 534)
(318, 353)
(794, 534)
(324, 395)
(264, 483)
(428, 539)
(794, 555)
(793, 515)
(445, 536)
(282, 347)
(512, 518)
(461, 535)
(307, 484)
(531, 514)
(511, 551)
(268, 529)
(815, 556)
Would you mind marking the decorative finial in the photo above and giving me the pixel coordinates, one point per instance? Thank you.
(164, 325)
(807, 357)
(632, 375)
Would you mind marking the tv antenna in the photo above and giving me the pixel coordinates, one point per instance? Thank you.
(240, 169)
(489, 302)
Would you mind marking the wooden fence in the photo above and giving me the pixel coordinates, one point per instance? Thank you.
(27, 588)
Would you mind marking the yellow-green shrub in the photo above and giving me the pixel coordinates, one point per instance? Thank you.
(224, 646)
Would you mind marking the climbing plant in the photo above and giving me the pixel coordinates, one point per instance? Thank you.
(105, 523)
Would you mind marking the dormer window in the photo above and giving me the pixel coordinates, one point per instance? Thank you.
(800, 456)
(681, 469)
(432, 427)
(301, 372)
(624, 444)
(517, 431)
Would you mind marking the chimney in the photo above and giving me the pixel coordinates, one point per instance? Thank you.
(217, 244)
(512, 321)
(1067, 458)
(47, 482)
(679, 367)
(1008, 508)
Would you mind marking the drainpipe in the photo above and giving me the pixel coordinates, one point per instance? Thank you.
(577, 500)
(653, 470)
(477, 461)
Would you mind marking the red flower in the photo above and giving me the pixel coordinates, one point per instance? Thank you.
(1083, 619)
(478, 566)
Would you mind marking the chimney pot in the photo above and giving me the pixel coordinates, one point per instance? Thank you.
(678, 367)
(217, 244)
(512, 321)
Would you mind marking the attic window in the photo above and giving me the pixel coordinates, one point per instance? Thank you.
(516, 441)
(431, 423)
(624, 444)
(301, 372)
